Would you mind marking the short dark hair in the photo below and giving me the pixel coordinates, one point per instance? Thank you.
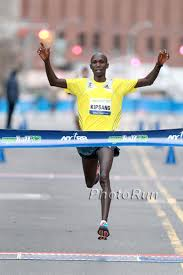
(99, 54)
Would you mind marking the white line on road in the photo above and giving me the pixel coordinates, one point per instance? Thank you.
(23, 196)
(55, 176)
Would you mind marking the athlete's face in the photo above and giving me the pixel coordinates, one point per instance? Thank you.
(99, 64)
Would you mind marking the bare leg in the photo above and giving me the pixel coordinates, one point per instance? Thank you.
(90, 168)
(105, 156)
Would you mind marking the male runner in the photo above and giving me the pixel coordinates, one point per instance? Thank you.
(99, 108)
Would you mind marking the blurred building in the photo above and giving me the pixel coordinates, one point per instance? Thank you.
(118, 27)
(9, 17)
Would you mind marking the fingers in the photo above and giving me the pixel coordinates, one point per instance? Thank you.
(42, 45)
(165, 53)
(39, 51)
(41, 48)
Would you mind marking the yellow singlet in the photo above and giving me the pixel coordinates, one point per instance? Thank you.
(99, 103)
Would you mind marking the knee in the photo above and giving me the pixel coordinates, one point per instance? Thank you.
(89, 183)
(104, 181)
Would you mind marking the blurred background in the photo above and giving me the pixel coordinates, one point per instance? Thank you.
(129, 32)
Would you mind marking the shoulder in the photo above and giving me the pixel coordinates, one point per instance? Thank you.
(117, 81)
(124, 85)
(76, 85)
(124, 81)
(76, 80)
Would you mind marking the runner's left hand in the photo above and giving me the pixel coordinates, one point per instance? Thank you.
(163, 57)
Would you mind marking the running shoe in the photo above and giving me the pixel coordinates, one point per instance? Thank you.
(103, 231)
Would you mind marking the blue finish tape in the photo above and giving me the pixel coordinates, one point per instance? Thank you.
(46, 138)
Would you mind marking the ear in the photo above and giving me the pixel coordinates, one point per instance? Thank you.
(107, 66)
(90, 66)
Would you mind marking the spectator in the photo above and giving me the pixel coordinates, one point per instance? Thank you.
(12, 95)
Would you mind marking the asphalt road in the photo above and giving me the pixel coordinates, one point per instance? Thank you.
(45, 206)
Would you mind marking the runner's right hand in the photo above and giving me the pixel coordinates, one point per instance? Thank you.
(43, 52)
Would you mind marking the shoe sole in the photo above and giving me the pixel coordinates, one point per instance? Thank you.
(102, 238)
(103, 234)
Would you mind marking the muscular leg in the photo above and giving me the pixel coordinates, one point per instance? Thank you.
(105, 156)
(90, 168)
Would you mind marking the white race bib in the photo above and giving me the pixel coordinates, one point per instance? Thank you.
(100, 106)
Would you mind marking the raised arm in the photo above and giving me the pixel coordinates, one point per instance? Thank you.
(44, 53)
(150, 78)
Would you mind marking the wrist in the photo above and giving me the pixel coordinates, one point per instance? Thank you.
(159, 65)
(46, 61)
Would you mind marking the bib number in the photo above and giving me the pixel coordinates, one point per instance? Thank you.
(100, 106)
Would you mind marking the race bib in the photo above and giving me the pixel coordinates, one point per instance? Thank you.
(100, 106)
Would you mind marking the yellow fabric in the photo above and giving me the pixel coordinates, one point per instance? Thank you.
(99, 103)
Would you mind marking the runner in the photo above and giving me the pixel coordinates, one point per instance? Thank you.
(99, 108)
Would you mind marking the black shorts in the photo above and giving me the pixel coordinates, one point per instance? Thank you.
(91, 152)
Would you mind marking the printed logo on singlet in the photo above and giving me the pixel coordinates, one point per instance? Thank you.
(107, 86)
(100, 106)
(90, 85)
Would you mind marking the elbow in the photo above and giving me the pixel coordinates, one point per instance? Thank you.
(52, 80)
(52, 84)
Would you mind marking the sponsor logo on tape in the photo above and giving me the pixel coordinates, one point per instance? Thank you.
(19, 139)
(176, 137)
(74, 137)
(125, 138)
